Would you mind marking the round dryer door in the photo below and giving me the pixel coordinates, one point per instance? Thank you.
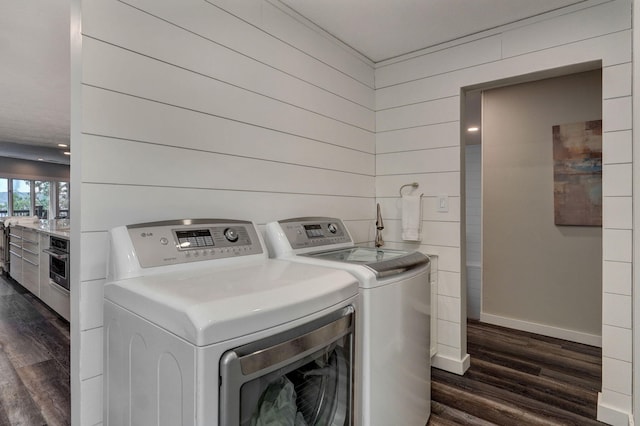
(303, 377)
(322, 389)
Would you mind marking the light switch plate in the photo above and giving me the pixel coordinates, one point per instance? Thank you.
(443, 203)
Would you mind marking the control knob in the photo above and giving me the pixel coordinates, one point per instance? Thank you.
(231, 235)
(332, 228)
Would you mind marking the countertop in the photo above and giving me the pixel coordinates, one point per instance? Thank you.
(56, 227)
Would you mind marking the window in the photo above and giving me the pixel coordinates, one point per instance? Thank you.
(63, 199)
(21, 197)
(4, 197)
(45, 199)
(42, 196)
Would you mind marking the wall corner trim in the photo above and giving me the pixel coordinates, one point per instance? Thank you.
(612, 415)
(452, 365)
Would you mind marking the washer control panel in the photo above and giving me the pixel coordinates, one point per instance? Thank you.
(173, 242)
(314, 232)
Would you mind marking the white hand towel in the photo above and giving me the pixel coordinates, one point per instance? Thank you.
(411, 217)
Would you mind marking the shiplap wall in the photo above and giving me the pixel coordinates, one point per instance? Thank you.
(195, 108)
(418, 139)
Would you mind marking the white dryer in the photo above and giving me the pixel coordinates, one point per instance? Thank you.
(393, 326)
(201, 328)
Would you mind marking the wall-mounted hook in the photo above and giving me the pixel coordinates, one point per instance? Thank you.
(413, 185)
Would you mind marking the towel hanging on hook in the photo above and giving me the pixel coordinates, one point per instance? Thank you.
(411, 214)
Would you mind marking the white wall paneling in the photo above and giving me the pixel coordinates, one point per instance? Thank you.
(419, 114)
(544, 46)
(151, 79)
(617, 342)
(180, 167)
(616, 81)
(616, 310)
(616, 245)
(159, 123)
(617, 179)
(591, 22)
(305, 38)
(435, 160)
(442, 61)
(422, 137)
(616, 277)
(254, 39)
(448, 284)
(164, 203)
(616, 375)
(136, 29)
(617, 147)
(617, 213)
(430, 184)
(194, 109)
(616, 114)
(391, 208)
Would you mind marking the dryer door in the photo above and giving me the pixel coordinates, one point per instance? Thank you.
(300, 377)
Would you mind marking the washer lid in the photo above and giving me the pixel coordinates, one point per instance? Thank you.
(383, 262)
(209, 305)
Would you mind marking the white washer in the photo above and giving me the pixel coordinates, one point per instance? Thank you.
(393, 326)
(201, 328)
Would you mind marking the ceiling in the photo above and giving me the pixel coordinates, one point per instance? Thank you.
(34, 79)
(35, 70)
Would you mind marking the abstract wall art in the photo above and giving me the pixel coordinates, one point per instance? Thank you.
(577, 173)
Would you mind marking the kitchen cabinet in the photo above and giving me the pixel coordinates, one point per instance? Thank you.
(31, 261)
(56, 297)
(30, 266)
(44, 268)
(15, 253)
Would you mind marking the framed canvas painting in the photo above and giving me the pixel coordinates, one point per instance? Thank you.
(577, 173)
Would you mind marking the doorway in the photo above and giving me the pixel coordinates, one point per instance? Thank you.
(523, 271)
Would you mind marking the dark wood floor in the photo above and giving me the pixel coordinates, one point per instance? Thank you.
(518, 378)
(34, 360)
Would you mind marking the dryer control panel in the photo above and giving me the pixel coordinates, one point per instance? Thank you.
(184, 241)
(315, 232)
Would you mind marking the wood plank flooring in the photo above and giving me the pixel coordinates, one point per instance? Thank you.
(518, 378)
(34, 360)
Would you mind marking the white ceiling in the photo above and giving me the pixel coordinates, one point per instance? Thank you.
(34, 78)
(383, 29)
(34, 47)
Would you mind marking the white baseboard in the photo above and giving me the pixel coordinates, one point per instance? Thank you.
(545, 330)
(452, 365)
(613, 416)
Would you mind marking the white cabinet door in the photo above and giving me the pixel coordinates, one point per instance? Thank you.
(44, 268)
(15, 253)
(31, 261)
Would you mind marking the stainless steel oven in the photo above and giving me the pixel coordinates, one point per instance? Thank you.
(58, 252)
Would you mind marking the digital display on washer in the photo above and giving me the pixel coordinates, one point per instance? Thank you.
(313, 231)
(194, 239)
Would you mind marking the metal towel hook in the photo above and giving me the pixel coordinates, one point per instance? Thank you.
(414, 185)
